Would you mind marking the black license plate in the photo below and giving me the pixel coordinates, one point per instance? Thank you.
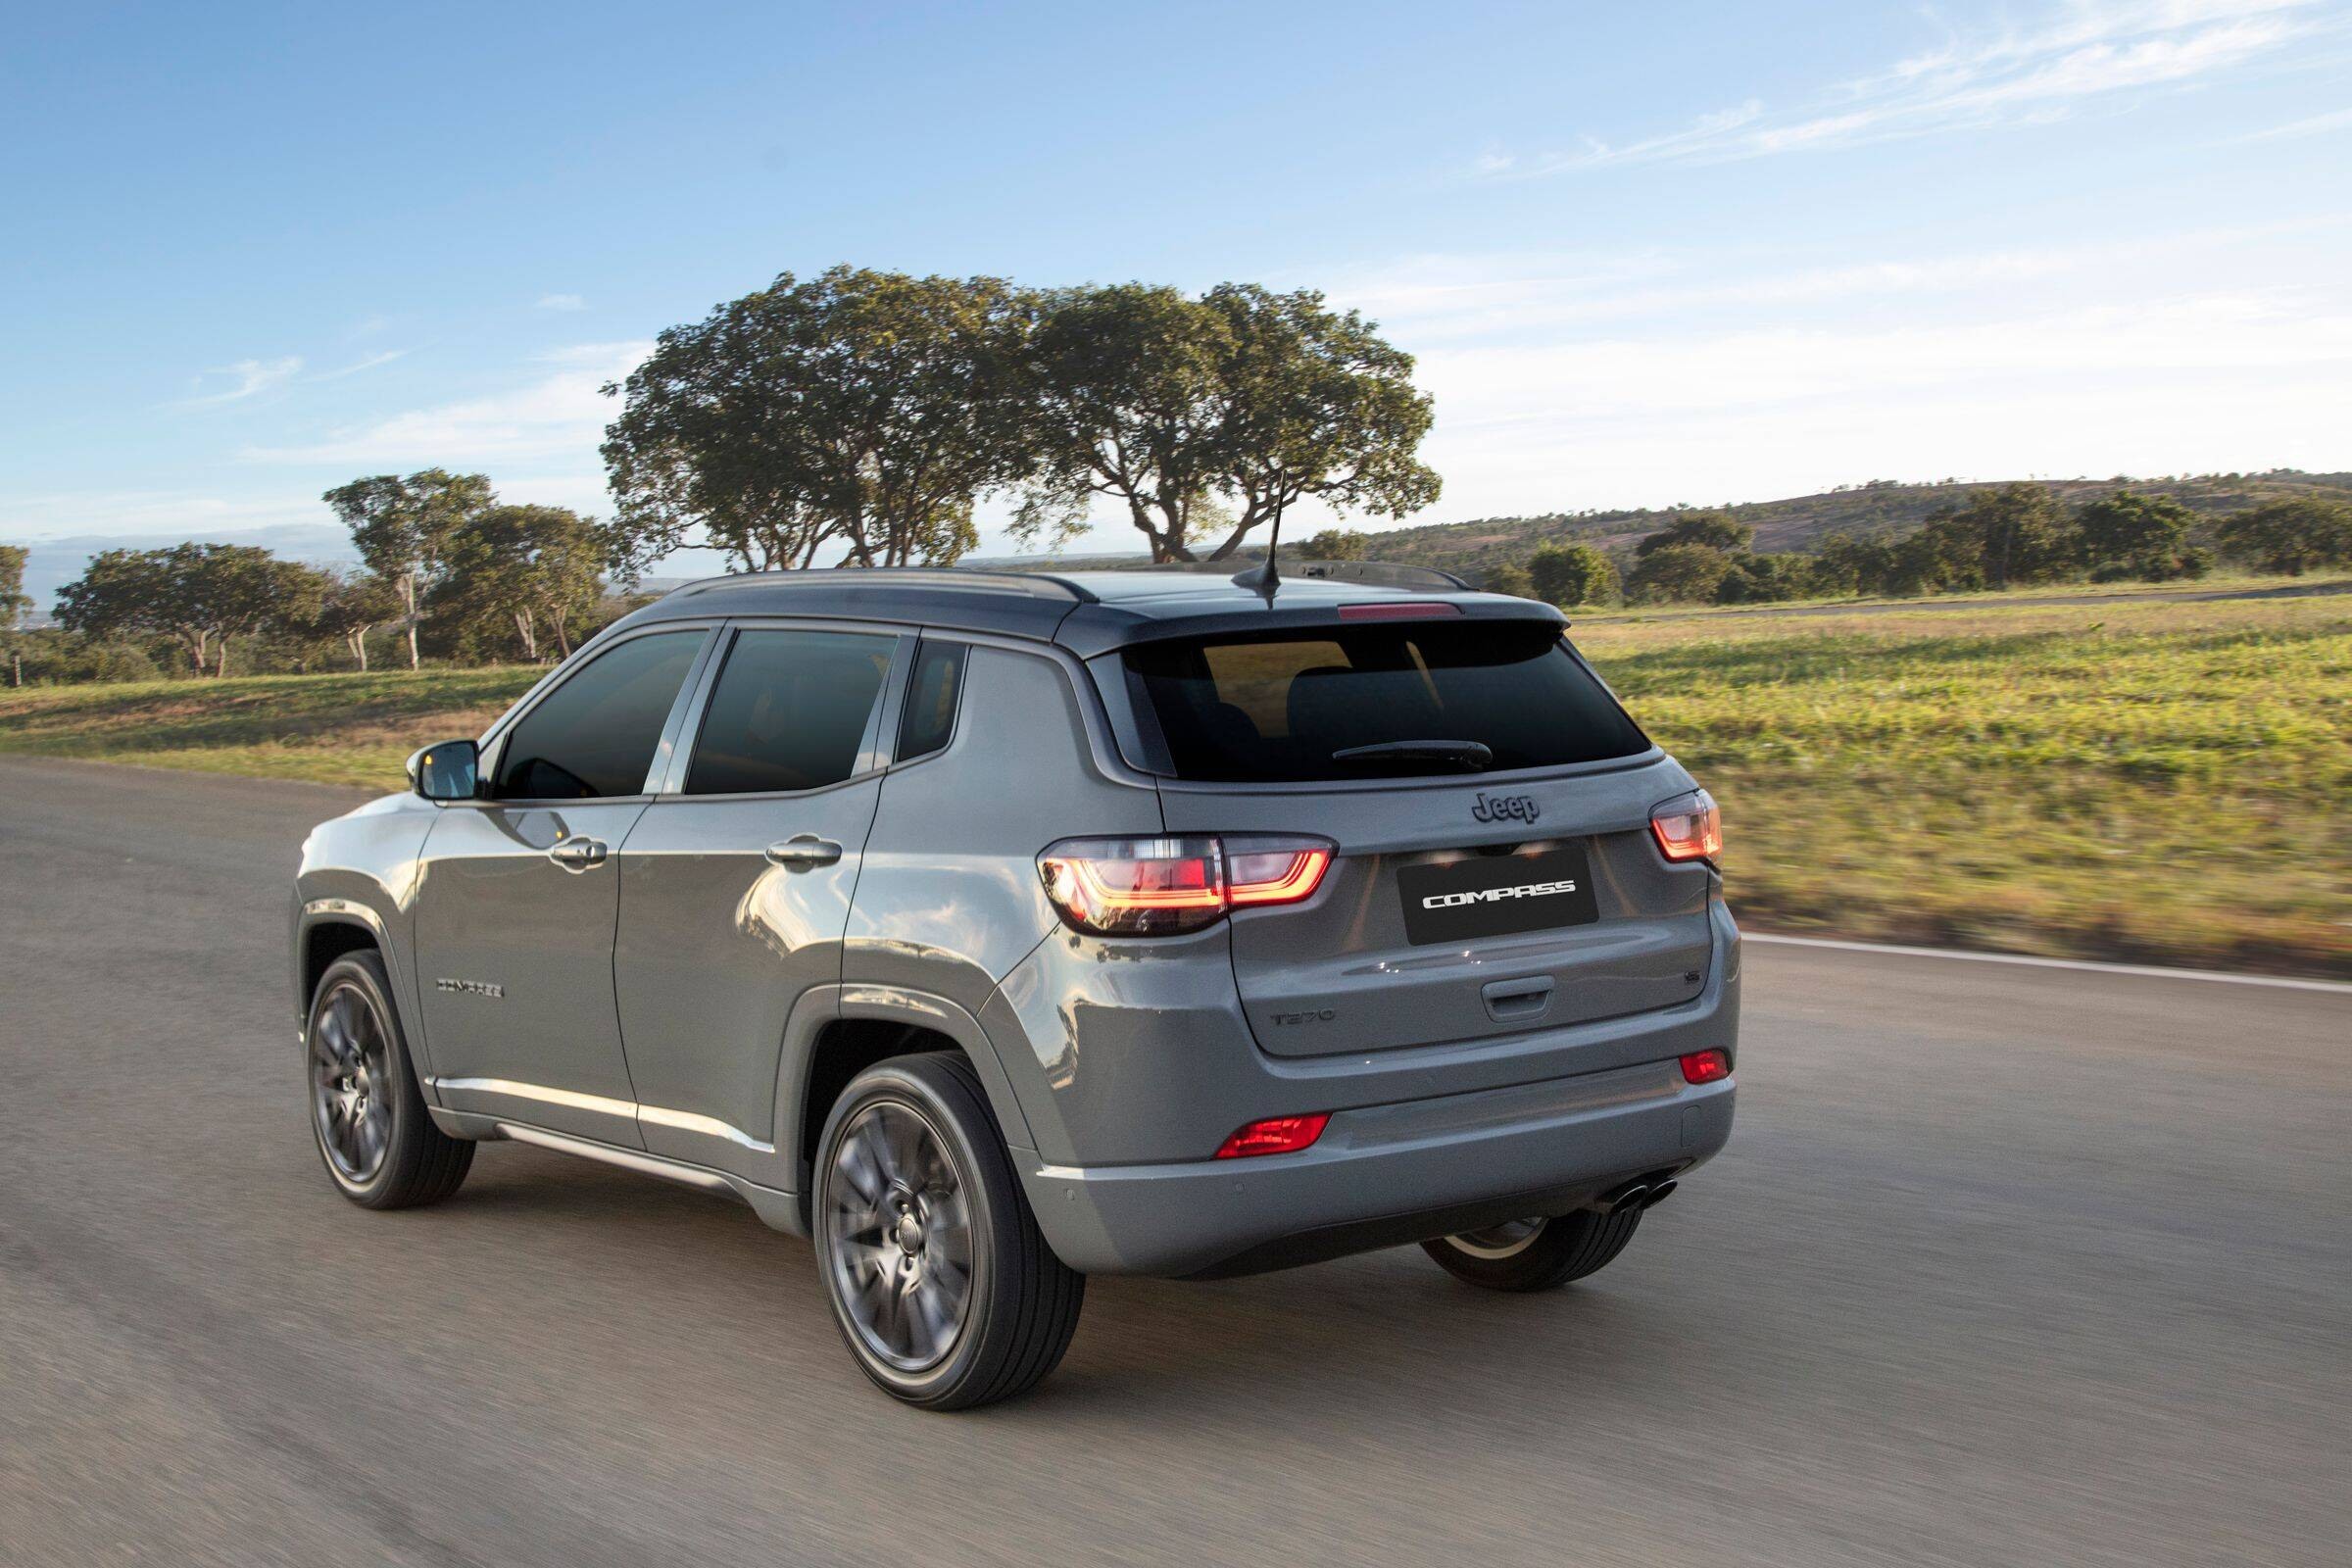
(1496, 896)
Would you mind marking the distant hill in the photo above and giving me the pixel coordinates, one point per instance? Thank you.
(1882, 505)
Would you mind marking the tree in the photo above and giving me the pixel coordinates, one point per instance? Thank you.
(2018, 533)
(1337, 544)
(1845, 564)
(1162, 403)
(2290, 536)
(201, 596)
(1509, 578)
(2131, 535)
(401, 527)
(1711, 529)
(1757, 579)
(1572, 574)
(532, 566)
(353, 604)
(869, 408)
(12, 605)
(1678, 573)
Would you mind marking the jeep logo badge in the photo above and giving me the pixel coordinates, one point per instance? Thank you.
(1505, 807)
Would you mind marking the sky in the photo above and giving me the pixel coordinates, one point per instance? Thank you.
(1643, 255)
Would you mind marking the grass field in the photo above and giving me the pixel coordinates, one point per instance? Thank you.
(2156, 782)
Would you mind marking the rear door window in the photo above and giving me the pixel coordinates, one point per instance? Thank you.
(790, 711)
(1279, 708)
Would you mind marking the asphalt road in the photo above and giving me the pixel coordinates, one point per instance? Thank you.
(2003, 1265)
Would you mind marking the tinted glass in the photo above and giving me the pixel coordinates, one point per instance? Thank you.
(930, 717)
(789, 712)
(1275, 709)
(594, 734)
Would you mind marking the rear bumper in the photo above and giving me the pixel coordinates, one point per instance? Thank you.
(1385, 1175)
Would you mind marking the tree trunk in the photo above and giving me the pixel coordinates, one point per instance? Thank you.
(221, 669)
(199, 647)
(530, 642)
(356, 642)
(408, 598)
(557, 619)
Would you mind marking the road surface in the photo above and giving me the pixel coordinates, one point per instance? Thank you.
(2003, 1265)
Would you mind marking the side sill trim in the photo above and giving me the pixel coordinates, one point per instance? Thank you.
(662, 1116)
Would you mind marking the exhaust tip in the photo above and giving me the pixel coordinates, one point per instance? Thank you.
(1659, 1194)
(1634, 1194)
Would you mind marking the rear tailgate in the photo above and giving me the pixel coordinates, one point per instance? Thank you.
(1537, 903)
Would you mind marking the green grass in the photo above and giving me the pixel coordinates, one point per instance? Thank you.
(333, 729)
(2155, 782)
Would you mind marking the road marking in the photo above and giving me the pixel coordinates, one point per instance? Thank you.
(2279, 982)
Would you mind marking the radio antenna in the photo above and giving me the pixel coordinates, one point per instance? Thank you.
(1265, 576)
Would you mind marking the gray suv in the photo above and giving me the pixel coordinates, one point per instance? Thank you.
(996, 930)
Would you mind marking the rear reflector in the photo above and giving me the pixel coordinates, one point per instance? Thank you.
(1276, 1135)
(1706, 1068)
(1688, 827)
(1413, 612)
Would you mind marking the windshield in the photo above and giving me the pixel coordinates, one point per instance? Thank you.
(1280, 707)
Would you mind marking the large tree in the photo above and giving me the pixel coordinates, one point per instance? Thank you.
(354, 604)
(1712, 530)
(1166, 405)
(2018, 533)
(539, 568)
(859, 410)
(401, 527)
(201, 596)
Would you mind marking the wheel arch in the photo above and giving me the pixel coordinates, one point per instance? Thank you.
(840, 1031)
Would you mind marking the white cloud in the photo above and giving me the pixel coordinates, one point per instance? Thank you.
(561, 302)
(250, 377)
(364, 363)
(2087, 49)
(560, 413)
(143, 513)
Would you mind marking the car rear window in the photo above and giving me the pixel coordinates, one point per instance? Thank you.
(1275, 707)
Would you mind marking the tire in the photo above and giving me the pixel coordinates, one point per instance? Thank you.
(941, 1284)
(368, 1116)
(1555, 1252)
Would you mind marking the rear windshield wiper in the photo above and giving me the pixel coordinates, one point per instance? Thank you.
(1463, 753)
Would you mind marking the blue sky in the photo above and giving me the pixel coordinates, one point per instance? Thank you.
(1645, 254)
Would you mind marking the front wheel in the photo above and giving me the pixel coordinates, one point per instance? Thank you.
(1535, 1255)
(942, 1285)
(366, 1113)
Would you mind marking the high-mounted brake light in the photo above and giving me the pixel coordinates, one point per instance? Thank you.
(1706, 1068)
(1276, 1135)
(1168, 886)
(1688, 827)
(1421, 610)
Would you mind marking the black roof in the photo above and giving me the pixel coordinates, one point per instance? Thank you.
(1087, 612)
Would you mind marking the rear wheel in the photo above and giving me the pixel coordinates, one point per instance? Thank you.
(1535, 1255)
(368, 1115)
(942, 1285)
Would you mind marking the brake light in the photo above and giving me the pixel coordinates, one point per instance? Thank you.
(1276, 1135)
(1396, 612)
(1688, 827)
(1706, 1068)
(1169, 886)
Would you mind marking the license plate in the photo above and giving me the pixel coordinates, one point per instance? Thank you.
(1496, 896)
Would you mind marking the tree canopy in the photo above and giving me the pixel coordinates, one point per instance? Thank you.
(201, 596)
(2291, 536)
(401, 527)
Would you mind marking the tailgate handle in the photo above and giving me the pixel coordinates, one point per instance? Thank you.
(1507, 1000)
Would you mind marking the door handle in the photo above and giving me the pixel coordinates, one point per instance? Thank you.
(578, 854)
(804, 850)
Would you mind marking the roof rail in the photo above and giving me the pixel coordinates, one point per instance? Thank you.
(1379, 573)
(964, 580)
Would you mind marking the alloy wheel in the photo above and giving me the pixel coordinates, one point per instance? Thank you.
(350, 1082)
(898, 1235)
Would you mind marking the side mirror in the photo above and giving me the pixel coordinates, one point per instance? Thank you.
(447, 771)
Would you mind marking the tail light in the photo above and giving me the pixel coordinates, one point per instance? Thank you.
(1276, 1135)
(1168, 886)
(1688, 827)
(1706, 1068)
